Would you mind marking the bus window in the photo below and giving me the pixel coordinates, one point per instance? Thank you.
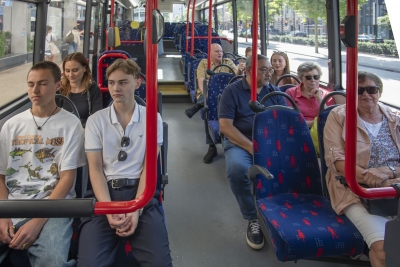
(16, 48)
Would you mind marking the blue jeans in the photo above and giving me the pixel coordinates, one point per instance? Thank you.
(72, 48)
(52, 246)
(209, 141)
(238, 161)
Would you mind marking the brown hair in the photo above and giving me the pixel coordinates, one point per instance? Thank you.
(248, 49)
(48, 65)
(127, 66)
(286, 70)
(364, 75)
(87, 76)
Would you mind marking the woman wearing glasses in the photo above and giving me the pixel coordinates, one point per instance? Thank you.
(378, 159)
(280, 63)
(78, 85)
(307, 95)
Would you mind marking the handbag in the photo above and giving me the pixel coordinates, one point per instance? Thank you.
(53, 48)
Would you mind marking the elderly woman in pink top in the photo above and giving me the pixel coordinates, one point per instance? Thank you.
(307, 95)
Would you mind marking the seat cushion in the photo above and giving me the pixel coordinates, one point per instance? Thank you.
(305, 226)
(213, 129)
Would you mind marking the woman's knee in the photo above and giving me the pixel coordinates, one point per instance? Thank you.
(377, 251)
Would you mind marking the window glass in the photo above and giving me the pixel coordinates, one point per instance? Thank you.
(17, 28)
(225, 20)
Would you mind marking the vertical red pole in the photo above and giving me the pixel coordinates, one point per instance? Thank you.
(351, 99)
(187, 26)
(151, 101)
(254, 67)
(111, 19)
(192, 40)
(210, 20)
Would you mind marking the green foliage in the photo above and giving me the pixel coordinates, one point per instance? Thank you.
(4, 41)
(29, 43)
(385, 21)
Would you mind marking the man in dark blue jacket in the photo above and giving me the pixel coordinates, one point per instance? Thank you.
(236, 123)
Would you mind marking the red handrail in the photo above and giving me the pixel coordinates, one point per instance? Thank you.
(131, 42)
(187, 26)
(254, 65)
(214, 37)
(112, 17)
(209, 34)
(151, 129)
(192, 41)
(100, 66)
(351, 119)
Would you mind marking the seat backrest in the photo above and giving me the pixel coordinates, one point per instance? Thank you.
(104, 62)
(282, 144)
(284, 87)
(216, 85)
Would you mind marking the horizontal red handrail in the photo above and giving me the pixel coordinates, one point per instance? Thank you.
(214, 37)
(131, 42)
(100, 64)
(351, 120)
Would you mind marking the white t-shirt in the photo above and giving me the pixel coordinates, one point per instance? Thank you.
(32, 159)
(103, 133)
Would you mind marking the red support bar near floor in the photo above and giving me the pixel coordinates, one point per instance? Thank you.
(351, 119)
(210, 18)
(254, 66)
(187, 26)
(192, 41)
(151, 129)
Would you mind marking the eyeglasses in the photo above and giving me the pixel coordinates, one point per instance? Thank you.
(309, 77)
(265, 70)
(371, 90)
(125, 141)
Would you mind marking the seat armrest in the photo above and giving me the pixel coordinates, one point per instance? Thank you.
(253, 171)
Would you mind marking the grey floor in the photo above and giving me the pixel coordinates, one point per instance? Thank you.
(204, 222)
(170, 68)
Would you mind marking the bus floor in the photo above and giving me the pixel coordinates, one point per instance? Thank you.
(203, 219)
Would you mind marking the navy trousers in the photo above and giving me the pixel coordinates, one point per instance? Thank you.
(98, 242)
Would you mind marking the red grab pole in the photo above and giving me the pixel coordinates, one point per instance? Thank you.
(187, 26)
(151, 129)
(192, 41)
(254, 67)
(351, 119)
(209, 34)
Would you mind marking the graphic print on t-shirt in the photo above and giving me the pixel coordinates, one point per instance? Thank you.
(33, 170)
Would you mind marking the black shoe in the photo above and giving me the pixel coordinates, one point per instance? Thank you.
(191, 111)
(254, 235)
(211, 154)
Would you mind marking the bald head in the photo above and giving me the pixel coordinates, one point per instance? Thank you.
(216, 54)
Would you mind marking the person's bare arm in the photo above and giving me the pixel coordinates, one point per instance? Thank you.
(234, 135)
(200, 82)
(5, 223)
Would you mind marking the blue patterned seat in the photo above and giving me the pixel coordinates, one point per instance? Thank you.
(216, 85)
(169, 30)
(127, 33)
(299, 220)
(192, 82)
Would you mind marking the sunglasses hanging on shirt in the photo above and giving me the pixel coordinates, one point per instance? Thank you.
(122, 155)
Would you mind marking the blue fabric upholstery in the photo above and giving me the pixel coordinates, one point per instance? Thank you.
(193, 96)
(216, 85)
(300, 221)
(168, 30)
(284, 87)
(192, 75)
(127, 33)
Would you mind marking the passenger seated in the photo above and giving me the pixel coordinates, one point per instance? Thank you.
(280, 63)
(41, 148)
(115, 144)
(77, 84)
(307, 95)
(236, 123)
(378, 159)
(216, 60)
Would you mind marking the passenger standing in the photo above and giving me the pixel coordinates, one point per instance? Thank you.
(76, 42)
(236, 123)
(77, 84)
(216, 60)
(280, 63)
(41, 149)
(115, 144)
(50, 38)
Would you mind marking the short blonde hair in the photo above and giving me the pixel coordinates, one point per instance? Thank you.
(127, 66)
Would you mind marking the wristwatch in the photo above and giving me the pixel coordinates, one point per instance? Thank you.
(394, 171)
(140, 211)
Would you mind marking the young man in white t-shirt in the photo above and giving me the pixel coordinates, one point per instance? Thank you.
(115, 145)
(40, 150)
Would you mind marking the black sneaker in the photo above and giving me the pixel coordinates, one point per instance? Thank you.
(211, 154)
(254, 235)
(191, 111)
